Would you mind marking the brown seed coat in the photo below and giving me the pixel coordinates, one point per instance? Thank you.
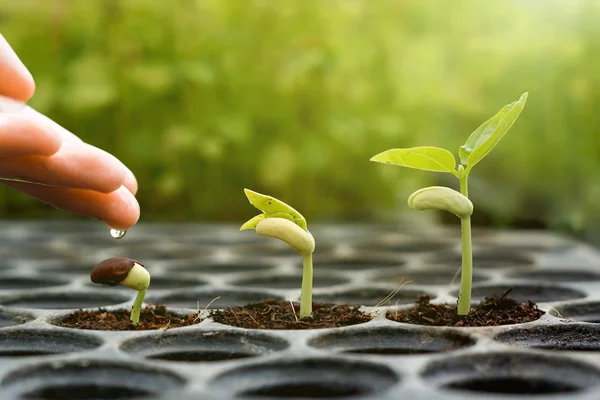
(112, 271)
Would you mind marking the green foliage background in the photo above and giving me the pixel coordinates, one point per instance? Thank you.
(204, 97)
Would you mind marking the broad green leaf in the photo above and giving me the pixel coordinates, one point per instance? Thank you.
(425, 158)
(273, 207)
(251, 223)
(487, 136)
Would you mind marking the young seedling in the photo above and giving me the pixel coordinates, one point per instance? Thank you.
(281, 221)
(127, 272)
(478, 145)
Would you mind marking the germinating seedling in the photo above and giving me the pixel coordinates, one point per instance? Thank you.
(127, 272)
(281, 221)
(478, 145)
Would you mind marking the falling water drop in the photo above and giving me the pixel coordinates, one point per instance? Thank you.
(117, 234)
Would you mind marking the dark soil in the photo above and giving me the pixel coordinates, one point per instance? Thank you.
(278, 314)
(490, 312)
(151, 318)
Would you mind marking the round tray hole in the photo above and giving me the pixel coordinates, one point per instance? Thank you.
(207, 346)
(305, 390)
(272, 248)
(158, 282)
(403, 245)
(223, 268)
(65, 300)
(27, 343)
(584, 312)
(391, 341)
(426, 277)
(309, 378)
(66, 268)
(155, 252)
(226, 299)
(12, 319)
(200, 355)
(89, 391)
(43, 253)
(483, 258)
(555, 337)
(525, 293)
(369, 297)
(85, 379)
(567, 275)
(19, 283)
(517, 385)
(289, 282)
(541, 246)
(511, 373)
(356, 263)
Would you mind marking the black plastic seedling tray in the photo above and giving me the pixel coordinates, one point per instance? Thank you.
(44, 276)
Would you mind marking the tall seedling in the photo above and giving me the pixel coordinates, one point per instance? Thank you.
(478, 145)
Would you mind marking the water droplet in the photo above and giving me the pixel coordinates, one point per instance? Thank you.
(117, 234)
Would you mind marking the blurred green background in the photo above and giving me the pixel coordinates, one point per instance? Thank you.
(201, 98)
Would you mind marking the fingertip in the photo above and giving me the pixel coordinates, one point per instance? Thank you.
(130, 182)
(124, 211)
(17, 82)
(89, 167)
(22, 136)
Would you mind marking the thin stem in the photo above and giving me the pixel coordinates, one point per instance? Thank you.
(307, 281)
(466, 277)
(137, 306)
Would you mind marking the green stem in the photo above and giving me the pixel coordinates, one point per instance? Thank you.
(137, 306)
(307, 281)
(466, 276)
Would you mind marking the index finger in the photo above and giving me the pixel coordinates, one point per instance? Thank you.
(15, 80)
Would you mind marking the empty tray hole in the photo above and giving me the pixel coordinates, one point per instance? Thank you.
(306, 390)
(222, 299)
(270, 247)
(369, 297)
(496, 258)
(289, 281)
(43, 253)
(16, 283)
(539, 246)
(355, 263)
(525, 293)
(65, 300)
(516, 385)
(403, 245)
(9, 319)
(310, 378)
(90, 391)
(88, 379)
(391, 341)
(584, 312)
(567, 275)
(511, 373)
(426, 277)
(200, 355)
(153, 252)
(224, 268)
(204, 346)
(159, 282)
(555, 337)
(23, 343)
(66, 268)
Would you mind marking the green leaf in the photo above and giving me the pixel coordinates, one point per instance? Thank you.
(251, 223)
(274, 208)
(487, 136)
(425, 158)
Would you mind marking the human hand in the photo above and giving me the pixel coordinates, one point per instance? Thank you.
(43, 160)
